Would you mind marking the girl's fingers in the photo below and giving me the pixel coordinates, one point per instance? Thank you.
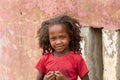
(49, 76)
(60, 76)
(52, 77)
(50, 72)
(58, 73)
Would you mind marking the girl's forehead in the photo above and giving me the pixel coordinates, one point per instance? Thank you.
(56, 27)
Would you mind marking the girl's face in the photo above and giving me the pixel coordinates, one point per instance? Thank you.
(59, 38)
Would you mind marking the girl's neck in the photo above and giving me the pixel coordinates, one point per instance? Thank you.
(57, 54)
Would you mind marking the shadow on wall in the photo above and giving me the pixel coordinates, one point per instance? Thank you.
(92, 50)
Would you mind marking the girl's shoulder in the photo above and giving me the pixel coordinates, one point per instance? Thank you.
(46, 56)
(76, 55)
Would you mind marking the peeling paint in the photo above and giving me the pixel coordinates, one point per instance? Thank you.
(11, 32)
(4, 42)
(110, 38)
(14, 46)
(110, 52)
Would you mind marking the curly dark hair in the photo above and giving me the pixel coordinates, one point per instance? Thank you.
(73, 27)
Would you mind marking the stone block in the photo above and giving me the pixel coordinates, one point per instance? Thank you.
(111, 54)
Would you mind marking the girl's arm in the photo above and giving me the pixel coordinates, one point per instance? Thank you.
(86, 77)
(39, 76)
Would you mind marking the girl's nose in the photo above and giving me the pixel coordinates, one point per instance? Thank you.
(58, 41)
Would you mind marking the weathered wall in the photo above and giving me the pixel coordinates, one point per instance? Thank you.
(111, 48)
(18, 53)
(101, 48)
(20, 19)
(98, 13)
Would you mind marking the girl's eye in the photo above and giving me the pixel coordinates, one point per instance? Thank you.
(62, 37)
(53, 38)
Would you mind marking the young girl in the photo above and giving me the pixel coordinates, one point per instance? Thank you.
(60, 40)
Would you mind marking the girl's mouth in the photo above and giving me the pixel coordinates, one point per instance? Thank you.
(59, 47)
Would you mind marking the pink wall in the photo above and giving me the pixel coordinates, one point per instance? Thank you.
(20, 19)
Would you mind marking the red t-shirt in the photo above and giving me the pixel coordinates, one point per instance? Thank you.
(71, 65)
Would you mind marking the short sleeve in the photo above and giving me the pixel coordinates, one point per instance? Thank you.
(82, 67)
(40, 66)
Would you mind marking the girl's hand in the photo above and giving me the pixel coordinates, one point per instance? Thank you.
(60, 76)
(49, 76)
